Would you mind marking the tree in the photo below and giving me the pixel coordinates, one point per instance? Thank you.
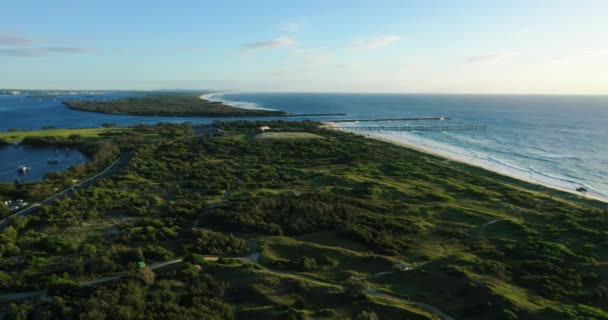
(308, 264)
(508, 315)
(355, 288)
(147, 275)
(4, 210)
(18, 311)
(367, 315)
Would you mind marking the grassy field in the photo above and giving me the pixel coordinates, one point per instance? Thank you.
(332, 263)
(89, 133)
(287, 136)
(271, 293)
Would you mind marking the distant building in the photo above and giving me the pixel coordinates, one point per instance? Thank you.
(264, 128)
(14, 205)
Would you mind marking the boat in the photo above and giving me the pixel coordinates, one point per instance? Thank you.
(23, 169)
(581, 189)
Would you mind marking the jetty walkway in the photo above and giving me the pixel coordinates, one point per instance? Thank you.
(394, 119)
(412, 128)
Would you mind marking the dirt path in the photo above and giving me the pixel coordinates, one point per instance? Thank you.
(483, 227)
(33, 294)
(253, 257)
(211, 206)
(378, 294)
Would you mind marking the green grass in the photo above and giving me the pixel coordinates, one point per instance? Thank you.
(287, 136)
(331, 238)
(334, 263)
(271, 293)
(89, 133)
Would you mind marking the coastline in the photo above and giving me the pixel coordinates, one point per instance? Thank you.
(334, 126)
(234, 104)
(207, 97)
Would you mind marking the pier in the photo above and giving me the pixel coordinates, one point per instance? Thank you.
(394, 119)
(313, 115)
(413, 128)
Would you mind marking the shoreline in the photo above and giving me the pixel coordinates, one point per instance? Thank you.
(241, 105)
(234, 104)
(334, 126)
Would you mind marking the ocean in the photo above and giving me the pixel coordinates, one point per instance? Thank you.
(558, 141)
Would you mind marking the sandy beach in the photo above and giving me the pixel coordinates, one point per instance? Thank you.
(334, 126)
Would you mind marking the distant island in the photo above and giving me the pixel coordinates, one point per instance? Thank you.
(169, 105)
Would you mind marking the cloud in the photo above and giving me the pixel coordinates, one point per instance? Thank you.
(586, 54)
(13, 39)
(36, 52)
(16, 45)
(375, 42)
(279, 42)
(311, 56)
(490, 57)
(277, 73)
(293, 27)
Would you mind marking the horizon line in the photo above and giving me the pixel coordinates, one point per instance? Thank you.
(215, 91)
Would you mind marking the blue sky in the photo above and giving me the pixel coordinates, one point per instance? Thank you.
(346, 46)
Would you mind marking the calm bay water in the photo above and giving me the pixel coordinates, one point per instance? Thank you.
(554, 140)
(38, 160)
(23, 113)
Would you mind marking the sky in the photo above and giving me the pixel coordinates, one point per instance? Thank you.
(431, 46)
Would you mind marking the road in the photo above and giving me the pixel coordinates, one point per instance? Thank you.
(28, 295)
(113, 168)
(434, 310)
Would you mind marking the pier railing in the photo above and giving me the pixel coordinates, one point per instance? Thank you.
(394, 119)
(411, 128)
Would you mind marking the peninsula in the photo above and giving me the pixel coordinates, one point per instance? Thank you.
(168, 105)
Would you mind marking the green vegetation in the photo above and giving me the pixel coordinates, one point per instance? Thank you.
(331, 227)
(169, 105)
(89, 133)
(287, 135)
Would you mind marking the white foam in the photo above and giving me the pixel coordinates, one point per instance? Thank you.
(220, 97)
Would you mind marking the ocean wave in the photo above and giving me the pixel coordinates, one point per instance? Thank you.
(574, 183)
(220, 97)
(559, 156)
(506, 164)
